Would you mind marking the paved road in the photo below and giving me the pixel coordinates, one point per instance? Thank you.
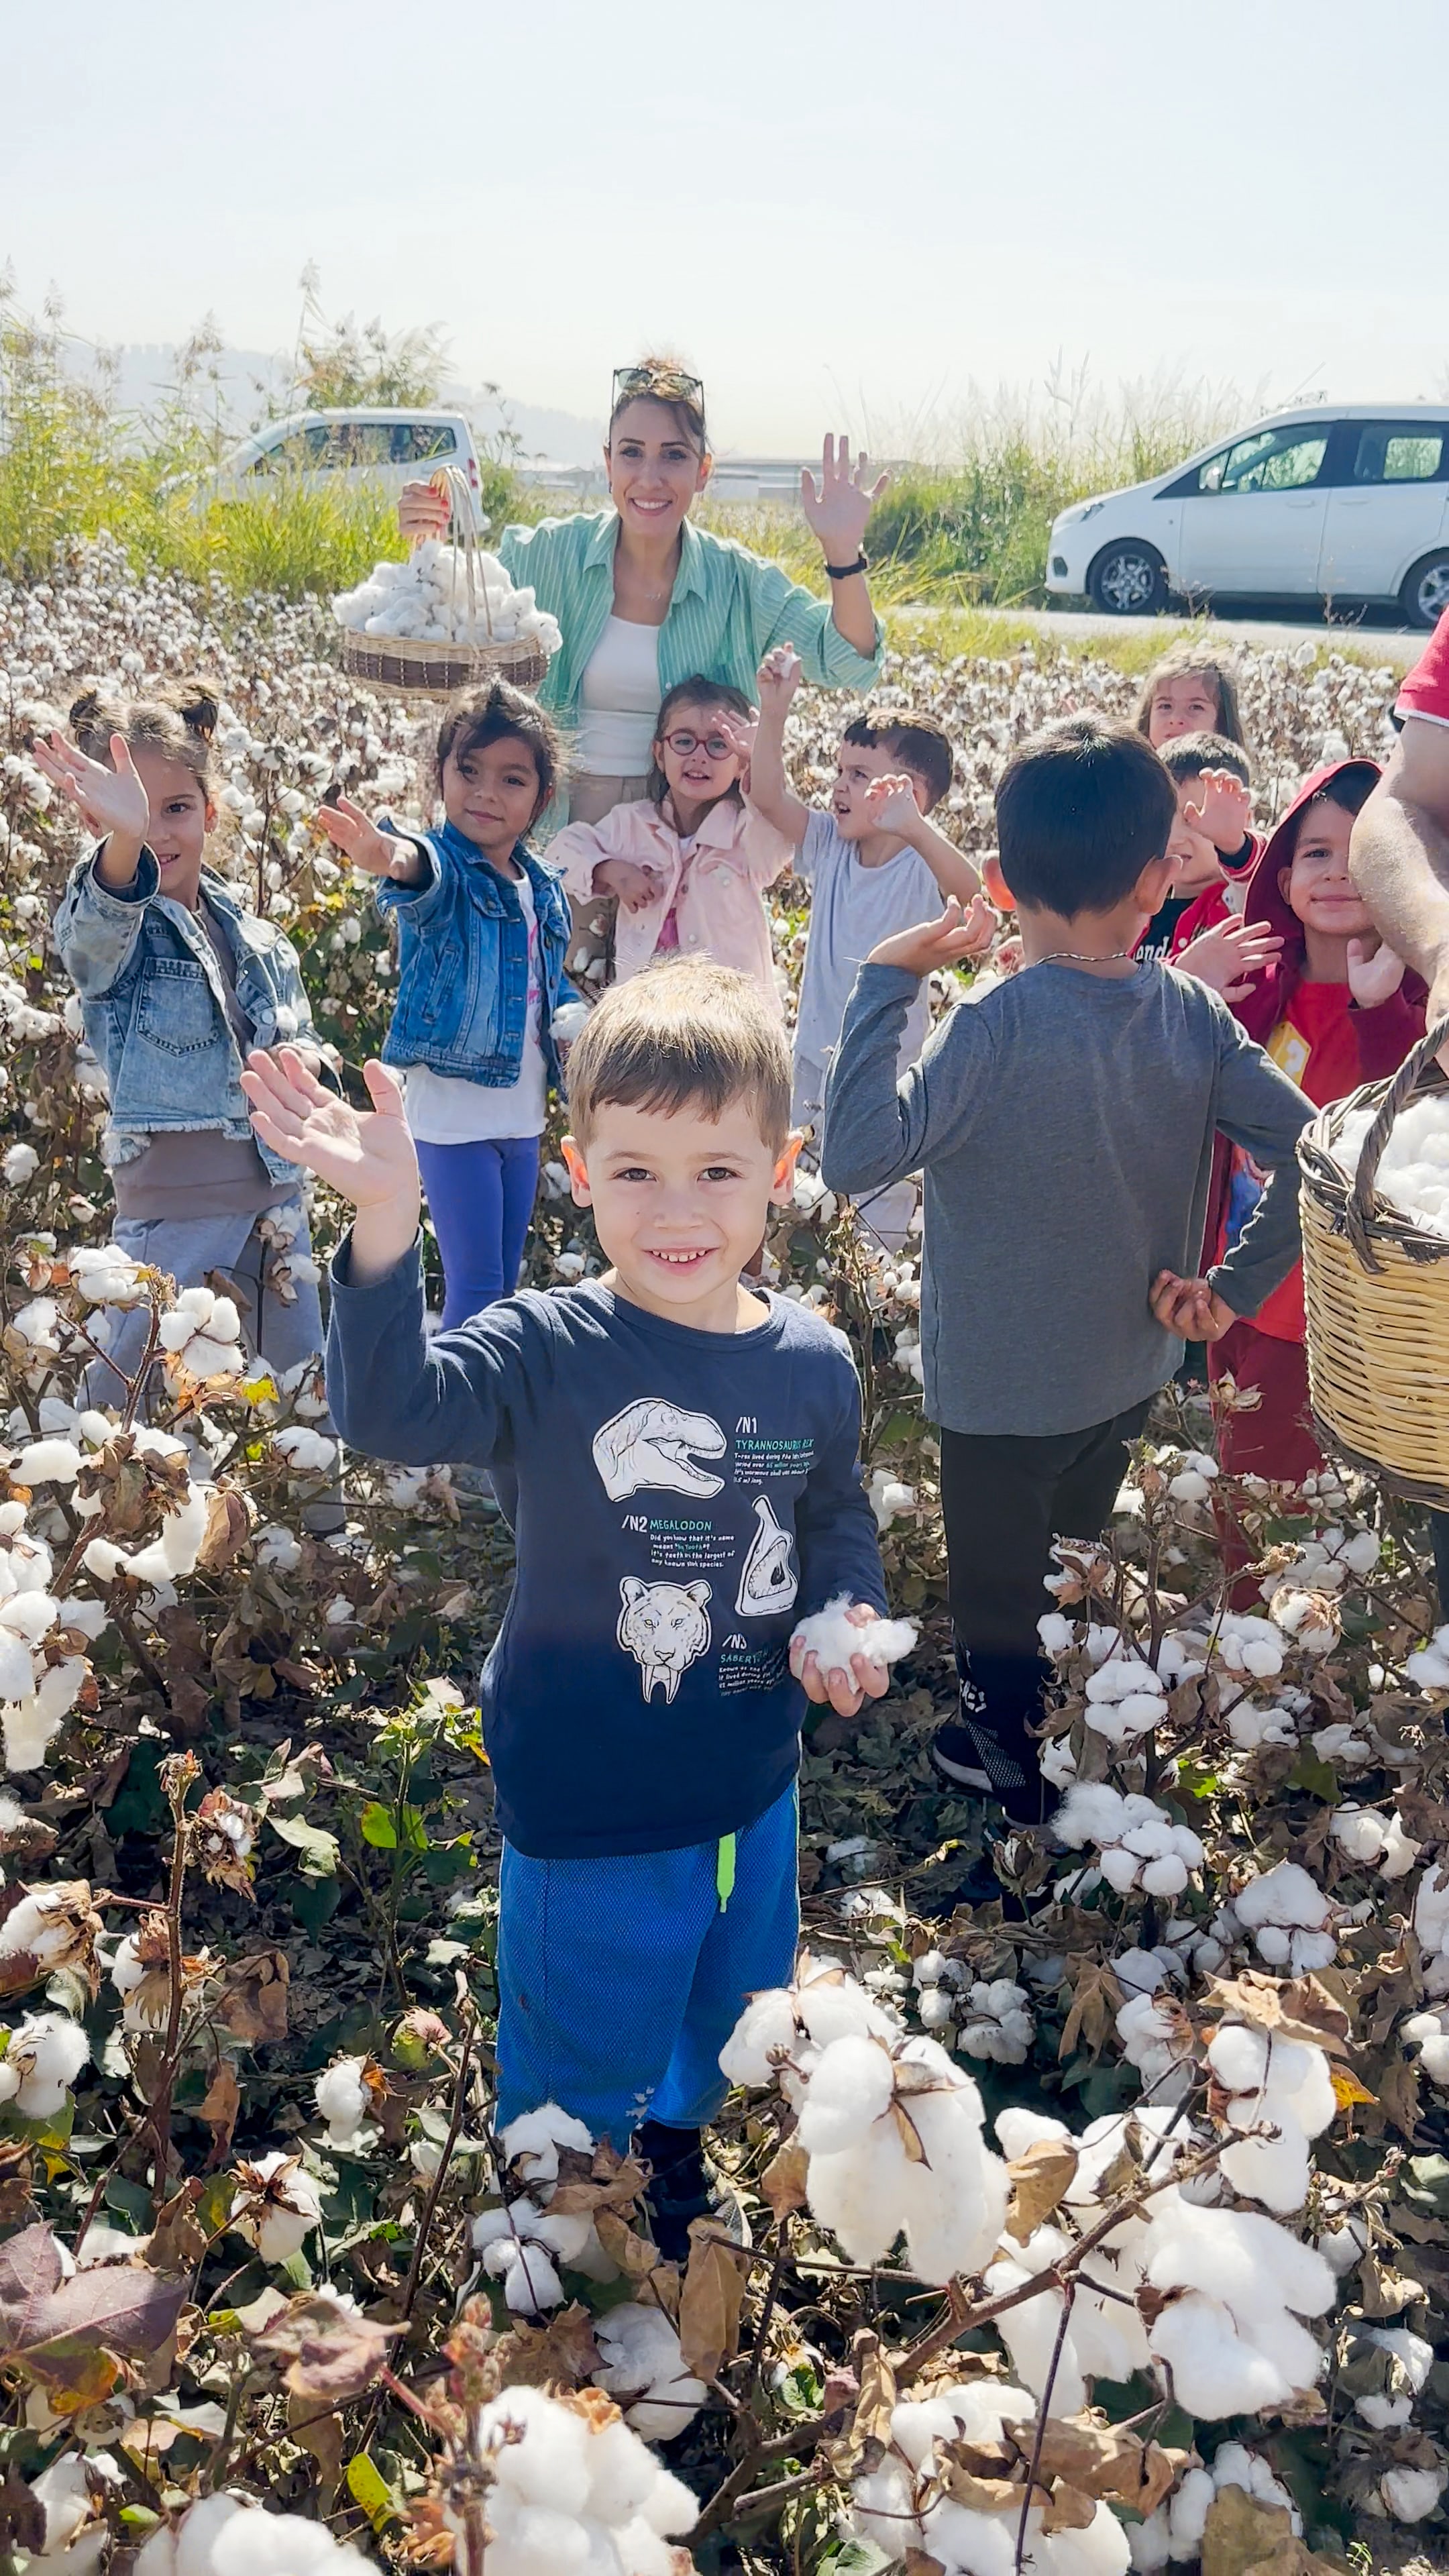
(1388, 642)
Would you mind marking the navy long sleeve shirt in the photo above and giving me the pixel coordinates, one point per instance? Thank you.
(683, 1499)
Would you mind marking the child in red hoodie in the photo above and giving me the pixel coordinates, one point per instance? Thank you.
(1335, 1010)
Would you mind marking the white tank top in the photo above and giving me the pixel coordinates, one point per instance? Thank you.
(619, 702)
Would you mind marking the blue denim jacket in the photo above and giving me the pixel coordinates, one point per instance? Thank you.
(155, 1011)
(462, 1000)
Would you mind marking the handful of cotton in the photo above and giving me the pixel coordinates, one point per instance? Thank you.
(1413, 1174)
(428, 601)
(834, 1638)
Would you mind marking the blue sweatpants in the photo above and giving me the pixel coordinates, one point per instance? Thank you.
(480, 1198)
(620, 1979)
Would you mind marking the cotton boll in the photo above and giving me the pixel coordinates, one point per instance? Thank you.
(1018, 2129)
(17, 1670)
(850, 2088)
(765, 2031)
(1284, 1895)
(47, 2053)
(277, 2206)
(28, 1616)
(48, 1462)
(343, 2100)
(833, 2006)
(532, 2141)
(1410, 2494)
(530, 2283)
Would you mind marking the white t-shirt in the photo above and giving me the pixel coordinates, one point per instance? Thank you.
(619, 699)
(442, 1109)
(852, 908)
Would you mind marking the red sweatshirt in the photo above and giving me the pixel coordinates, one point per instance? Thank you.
(1425, 691)
(1315, 1032)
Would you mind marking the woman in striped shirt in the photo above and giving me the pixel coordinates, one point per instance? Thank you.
(645, 599)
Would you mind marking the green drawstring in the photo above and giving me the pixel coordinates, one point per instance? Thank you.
(724, 1875)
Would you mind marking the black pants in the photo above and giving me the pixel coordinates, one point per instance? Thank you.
(1004, 1498)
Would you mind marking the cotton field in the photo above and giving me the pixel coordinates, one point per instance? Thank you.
(1100, 2222)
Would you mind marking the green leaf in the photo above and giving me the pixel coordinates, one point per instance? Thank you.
(369, 2488)
(1424, 2184)
(1318, 1777)
(377, 1826)
(319, 1849)
(213, 2209)
(314, 1901)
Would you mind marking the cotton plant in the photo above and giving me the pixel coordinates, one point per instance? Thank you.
(1173, 2534)
(1289, 1918)
(1138, 1844)
(642, 2367)
(890, 2125)
(1279, 2092)
(44, 2055)
(905, 2506)
(524, 2242)
(348, 2095)
(563, 2483)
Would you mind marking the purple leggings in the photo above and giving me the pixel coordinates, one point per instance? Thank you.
(480, 1197)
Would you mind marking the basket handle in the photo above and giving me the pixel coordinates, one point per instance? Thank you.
(451, 484)
(1359, 1211)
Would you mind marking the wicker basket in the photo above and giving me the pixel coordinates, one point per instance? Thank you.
(1376, 1289)
(400, 668)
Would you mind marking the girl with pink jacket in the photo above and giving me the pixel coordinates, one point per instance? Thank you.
(689, 861)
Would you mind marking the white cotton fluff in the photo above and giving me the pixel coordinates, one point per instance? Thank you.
(46, 2054)
(1233, 2340)
(532, 2141)
(225, 2535)
(105, 1276)
(1410, 2494)
(901, 2507)
(997, 2022)
(1158, 2042)
(1272, 2083)
(278, 1548)
(42, 1927)
(20, 1165)
(343, 2101)
(1414, 1168)
(277, 2225)
(530, 2283)
(569, 1021)
(643, 2369)
(1412, 2359)
(1429, 2033)
(48, 1462)
(1429, 1667)
(307, 1452)
(1287, 1913)
(1138, 1842)
(1124, 1697)
(835, 1639)
(766, 2031)
(572, 2496)
(1248, 1644)
(868, 2190)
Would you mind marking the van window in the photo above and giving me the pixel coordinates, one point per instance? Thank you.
(1395, 452)
(422, 442)
(1272, 460)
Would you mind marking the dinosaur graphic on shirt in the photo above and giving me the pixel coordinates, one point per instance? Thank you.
(664, 1627)
(649, 1445)
(768, 1580)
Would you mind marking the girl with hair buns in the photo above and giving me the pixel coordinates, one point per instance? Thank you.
(645, 599)
(178, 981)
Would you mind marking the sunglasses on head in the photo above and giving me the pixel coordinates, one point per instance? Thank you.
(715, 745)
(656, 384)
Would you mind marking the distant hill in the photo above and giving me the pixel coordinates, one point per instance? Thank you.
(251, 379)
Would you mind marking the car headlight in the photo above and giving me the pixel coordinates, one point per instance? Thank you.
(1073, 518)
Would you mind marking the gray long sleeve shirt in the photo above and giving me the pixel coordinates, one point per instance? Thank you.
(1064, 1125)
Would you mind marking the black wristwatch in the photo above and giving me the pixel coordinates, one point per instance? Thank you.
(843, 572)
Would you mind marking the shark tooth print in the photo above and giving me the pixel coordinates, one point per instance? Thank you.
(768, 1580)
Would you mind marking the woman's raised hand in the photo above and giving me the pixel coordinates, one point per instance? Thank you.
(348, 827)
(366, 1154)
(107, 800)
(423, 511)
(839, 506)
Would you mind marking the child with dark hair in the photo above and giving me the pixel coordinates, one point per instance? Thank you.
(1335, 1008)
(1065, 1125)
(689, 861)
(873, 860)
(178, 979)
(483, 929)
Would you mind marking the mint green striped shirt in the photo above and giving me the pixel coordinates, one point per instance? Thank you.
(727, 609)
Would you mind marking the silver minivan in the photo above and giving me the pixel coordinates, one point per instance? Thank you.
(1346, 503)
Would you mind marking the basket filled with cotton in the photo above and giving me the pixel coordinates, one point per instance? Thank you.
(449, 618)
(1376, 1275)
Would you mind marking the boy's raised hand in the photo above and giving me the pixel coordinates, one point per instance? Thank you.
(778, 678)
(107, 800)
(891, 804)
(1190, 1308)
(1222, 808)
(961, 932)
(1228, 957)
(1375, 972)
(365, 1154)
(842, 1691)
(380, 853)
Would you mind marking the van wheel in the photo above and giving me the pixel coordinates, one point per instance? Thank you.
(1425, 594)
(1129, 579)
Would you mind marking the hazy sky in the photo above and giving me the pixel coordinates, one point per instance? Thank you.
(841, 213)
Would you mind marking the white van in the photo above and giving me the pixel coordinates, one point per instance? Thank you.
(1346, 503)
(378, 448)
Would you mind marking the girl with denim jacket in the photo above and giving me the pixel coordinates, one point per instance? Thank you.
(178, 981)
(482, 931)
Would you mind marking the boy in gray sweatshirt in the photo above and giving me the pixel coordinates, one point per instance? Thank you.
(1065, 1127)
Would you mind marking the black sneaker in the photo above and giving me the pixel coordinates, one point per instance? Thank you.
(954, 1754)
(682, 2187)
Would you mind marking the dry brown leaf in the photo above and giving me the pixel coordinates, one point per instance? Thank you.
(253, 2003)
(1301, 2008)
(319, 2431)
(1038, 2180)
(1241, 2532)
(1096, 2002)
(1069, 2509)
(635, 2256)
(919, 2562)
(332, 2353)
(981, 2495)
(782, 2184)
(22, 2515)
(219, 2107)
(1398, 2091)
(561, 2354)
(602, 2180)
(178, 2241)
(229, 1517)
(63, 2331)
(710, 2303)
